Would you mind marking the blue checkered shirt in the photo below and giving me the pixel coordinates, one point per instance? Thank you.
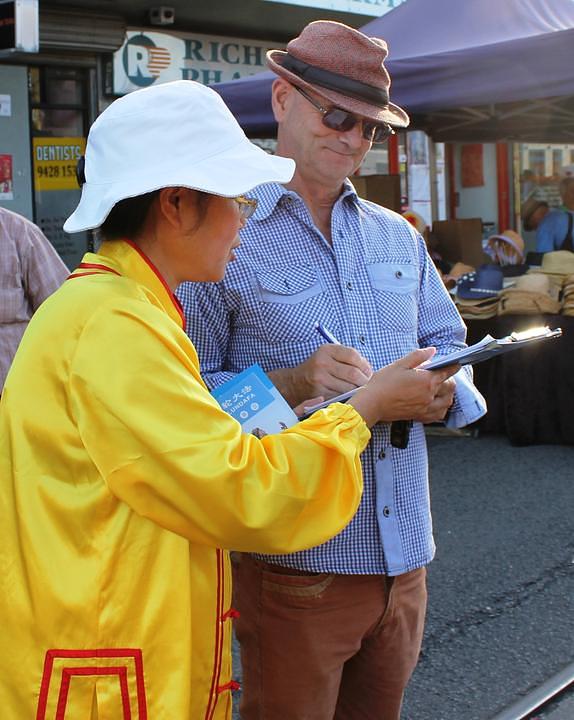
(377, 290)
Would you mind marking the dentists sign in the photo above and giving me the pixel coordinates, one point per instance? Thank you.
(150, 58)
(55, 160)
(375, 8)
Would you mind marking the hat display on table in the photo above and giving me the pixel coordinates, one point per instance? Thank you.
(178, 134)
(535, 282)
(558, 262)
(477, 309)
(568, 296)
(485, 282)
(506, 248)
(457, 271)
(342, 65)
(531, 294)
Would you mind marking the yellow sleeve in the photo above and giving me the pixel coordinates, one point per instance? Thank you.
(163, 445)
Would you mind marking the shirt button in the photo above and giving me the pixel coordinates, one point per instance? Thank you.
(386, 511)
(349, 285)
(398, 274)
(362, 339)
(382, 455)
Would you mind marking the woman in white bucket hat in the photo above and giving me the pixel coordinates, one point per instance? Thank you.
(123, 482)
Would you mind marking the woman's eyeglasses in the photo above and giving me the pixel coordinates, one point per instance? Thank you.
(247, 206)
(341, 120)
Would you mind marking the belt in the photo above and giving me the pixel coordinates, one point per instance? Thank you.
(284, 570)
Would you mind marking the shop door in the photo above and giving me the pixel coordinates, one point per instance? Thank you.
(15, 172)
(59, 111)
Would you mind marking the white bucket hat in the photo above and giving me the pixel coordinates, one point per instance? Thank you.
(179, 134)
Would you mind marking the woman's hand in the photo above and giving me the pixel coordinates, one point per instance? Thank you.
(405, 391)
(300, 409)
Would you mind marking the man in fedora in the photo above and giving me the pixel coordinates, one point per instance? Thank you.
(334, 631)
(556, 231)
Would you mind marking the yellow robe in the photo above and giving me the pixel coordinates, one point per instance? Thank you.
(122, 485)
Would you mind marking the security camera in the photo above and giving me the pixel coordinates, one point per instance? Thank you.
(162, 15)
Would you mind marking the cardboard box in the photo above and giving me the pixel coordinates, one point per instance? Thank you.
(384, 190)
(460, 241)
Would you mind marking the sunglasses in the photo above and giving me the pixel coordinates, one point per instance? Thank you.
(341, 120)
(247, 206)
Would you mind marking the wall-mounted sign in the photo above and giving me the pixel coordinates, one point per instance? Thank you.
(148, 58)
(19, 26)
(6, 178)
(5, 105)
(55, 160)
(471, 165)
(375, 8)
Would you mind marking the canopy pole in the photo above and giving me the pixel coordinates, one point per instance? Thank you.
(502, 178)
(433, 179)
(450, 180)
(393, 150)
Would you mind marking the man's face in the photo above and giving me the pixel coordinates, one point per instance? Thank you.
(322, 155)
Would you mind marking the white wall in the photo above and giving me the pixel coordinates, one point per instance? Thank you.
(481, 201)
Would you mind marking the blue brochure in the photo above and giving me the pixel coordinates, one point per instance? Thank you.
(253, 400)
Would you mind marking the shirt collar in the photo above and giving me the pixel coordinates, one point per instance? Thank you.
(270, 195)
(122, 257)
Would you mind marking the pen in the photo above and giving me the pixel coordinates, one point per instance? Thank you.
(326, 334)
(400, 429)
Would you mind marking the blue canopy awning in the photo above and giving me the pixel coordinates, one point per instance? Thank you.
(448, 57)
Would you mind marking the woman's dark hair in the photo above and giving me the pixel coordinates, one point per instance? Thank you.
(127, 216)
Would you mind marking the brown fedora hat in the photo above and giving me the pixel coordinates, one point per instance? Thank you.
(342, 65)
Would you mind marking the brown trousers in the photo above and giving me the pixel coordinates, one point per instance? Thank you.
(318, 646)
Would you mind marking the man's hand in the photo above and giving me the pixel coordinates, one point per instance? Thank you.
(329, 371)
(403, 391)
(438, 408)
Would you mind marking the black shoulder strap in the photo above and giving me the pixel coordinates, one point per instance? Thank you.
(567, 242)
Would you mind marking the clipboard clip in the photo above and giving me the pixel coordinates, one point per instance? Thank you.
(534, 333)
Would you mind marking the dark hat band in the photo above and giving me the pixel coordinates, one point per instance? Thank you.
(336, 82)
(81, 170)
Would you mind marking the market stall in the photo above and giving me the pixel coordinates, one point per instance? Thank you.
(498, 72)
(530, 393)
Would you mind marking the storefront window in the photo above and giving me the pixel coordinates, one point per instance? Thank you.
(59, 119)
(557, 162)
(540, 168)
(534, 169)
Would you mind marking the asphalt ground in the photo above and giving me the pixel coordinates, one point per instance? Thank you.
(501, 588)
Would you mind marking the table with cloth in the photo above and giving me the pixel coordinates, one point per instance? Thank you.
(530, 393)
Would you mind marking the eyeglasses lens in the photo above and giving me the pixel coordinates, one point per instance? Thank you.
(343, 121)
(247, 206)
(379, 133)
(340, 120)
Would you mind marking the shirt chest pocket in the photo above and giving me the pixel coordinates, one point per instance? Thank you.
(291, 300)
(13, 303)
(11, 274)
(395, 291)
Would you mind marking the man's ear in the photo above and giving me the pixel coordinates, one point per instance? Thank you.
(280, 92)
